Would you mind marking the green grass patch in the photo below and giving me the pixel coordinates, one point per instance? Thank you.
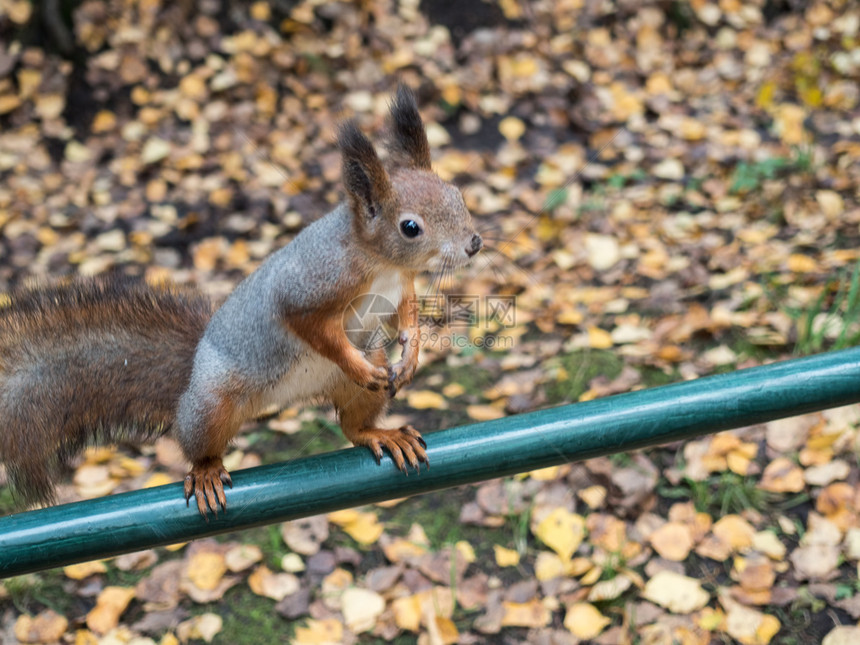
(576, 370)
(249, 619)
(831, 321)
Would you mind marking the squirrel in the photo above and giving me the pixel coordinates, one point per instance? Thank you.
(113, 358)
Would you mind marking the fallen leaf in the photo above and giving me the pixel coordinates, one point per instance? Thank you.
(426, 400)
(748, 626)
(782, 476)
(361, 608)
(276, 586)
(110, 604)
(45, 627)
(205, 627)
(672, 541)
(84, 569)
(242, 556)
(677, 593)
(506, 557)
(584, 621)
(327, 631)
(525, 614)
(361, 526)
(562, 531)
(205, 569)
(305, 536)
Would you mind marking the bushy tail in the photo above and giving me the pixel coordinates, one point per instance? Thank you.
(94, 361)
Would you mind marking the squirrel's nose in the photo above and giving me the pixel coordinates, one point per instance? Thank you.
(476, 245)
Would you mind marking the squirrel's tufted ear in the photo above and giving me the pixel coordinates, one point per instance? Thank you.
(407, 144)
(364, 176)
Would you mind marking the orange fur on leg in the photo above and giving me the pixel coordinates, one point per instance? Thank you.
(359, 411)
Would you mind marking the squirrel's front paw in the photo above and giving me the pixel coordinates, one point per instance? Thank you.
(375, 378)
(206, 482)
(401, 374)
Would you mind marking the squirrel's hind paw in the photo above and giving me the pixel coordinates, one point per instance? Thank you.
(404, 444)
(206, 482)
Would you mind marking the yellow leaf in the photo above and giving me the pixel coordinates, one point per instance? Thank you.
(157, 479)
(584, 621)
(104, 121)
(831, 203)
(800, 263)
(562, 531)
(426, 399)
(764, 98)
(788, 123)
(84, 569)
(328, 631)
(525, 614)
(363, 527)
(400, 550)
(735, 531)
(548, 566)
(594, 496)
(276, 586)
(407, 613)
(484, 412)
(711, 619)
(672, 541)
(453, 390)
(205, 569)
(446, 631)
(512, 128)
(506, 557)
(110, 604)
(599, 338)
(547, 474)
(465, 551)
(46, 627)
(782, 476)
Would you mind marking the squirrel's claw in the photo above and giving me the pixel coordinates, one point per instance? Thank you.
(404, 444)
(379, 379)
(206, 482)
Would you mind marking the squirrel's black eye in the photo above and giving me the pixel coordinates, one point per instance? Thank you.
(410, 228)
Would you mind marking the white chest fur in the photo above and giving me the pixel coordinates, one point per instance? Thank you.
(374, 307)
(389, 285)
(312, 375)
(309, 377)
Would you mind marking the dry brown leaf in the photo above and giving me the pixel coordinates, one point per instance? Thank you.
(672, 541)
(782, 476)
(305, 536)
(276, 586)
(45, 627)
(205, 627)
(679, 594)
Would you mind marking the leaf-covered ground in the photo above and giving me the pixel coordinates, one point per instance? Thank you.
(669, 190)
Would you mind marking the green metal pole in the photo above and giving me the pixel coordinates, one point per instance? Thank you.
(158, 516)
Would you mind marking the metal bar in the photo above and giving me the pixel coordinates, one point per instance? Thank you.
(127, 522)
